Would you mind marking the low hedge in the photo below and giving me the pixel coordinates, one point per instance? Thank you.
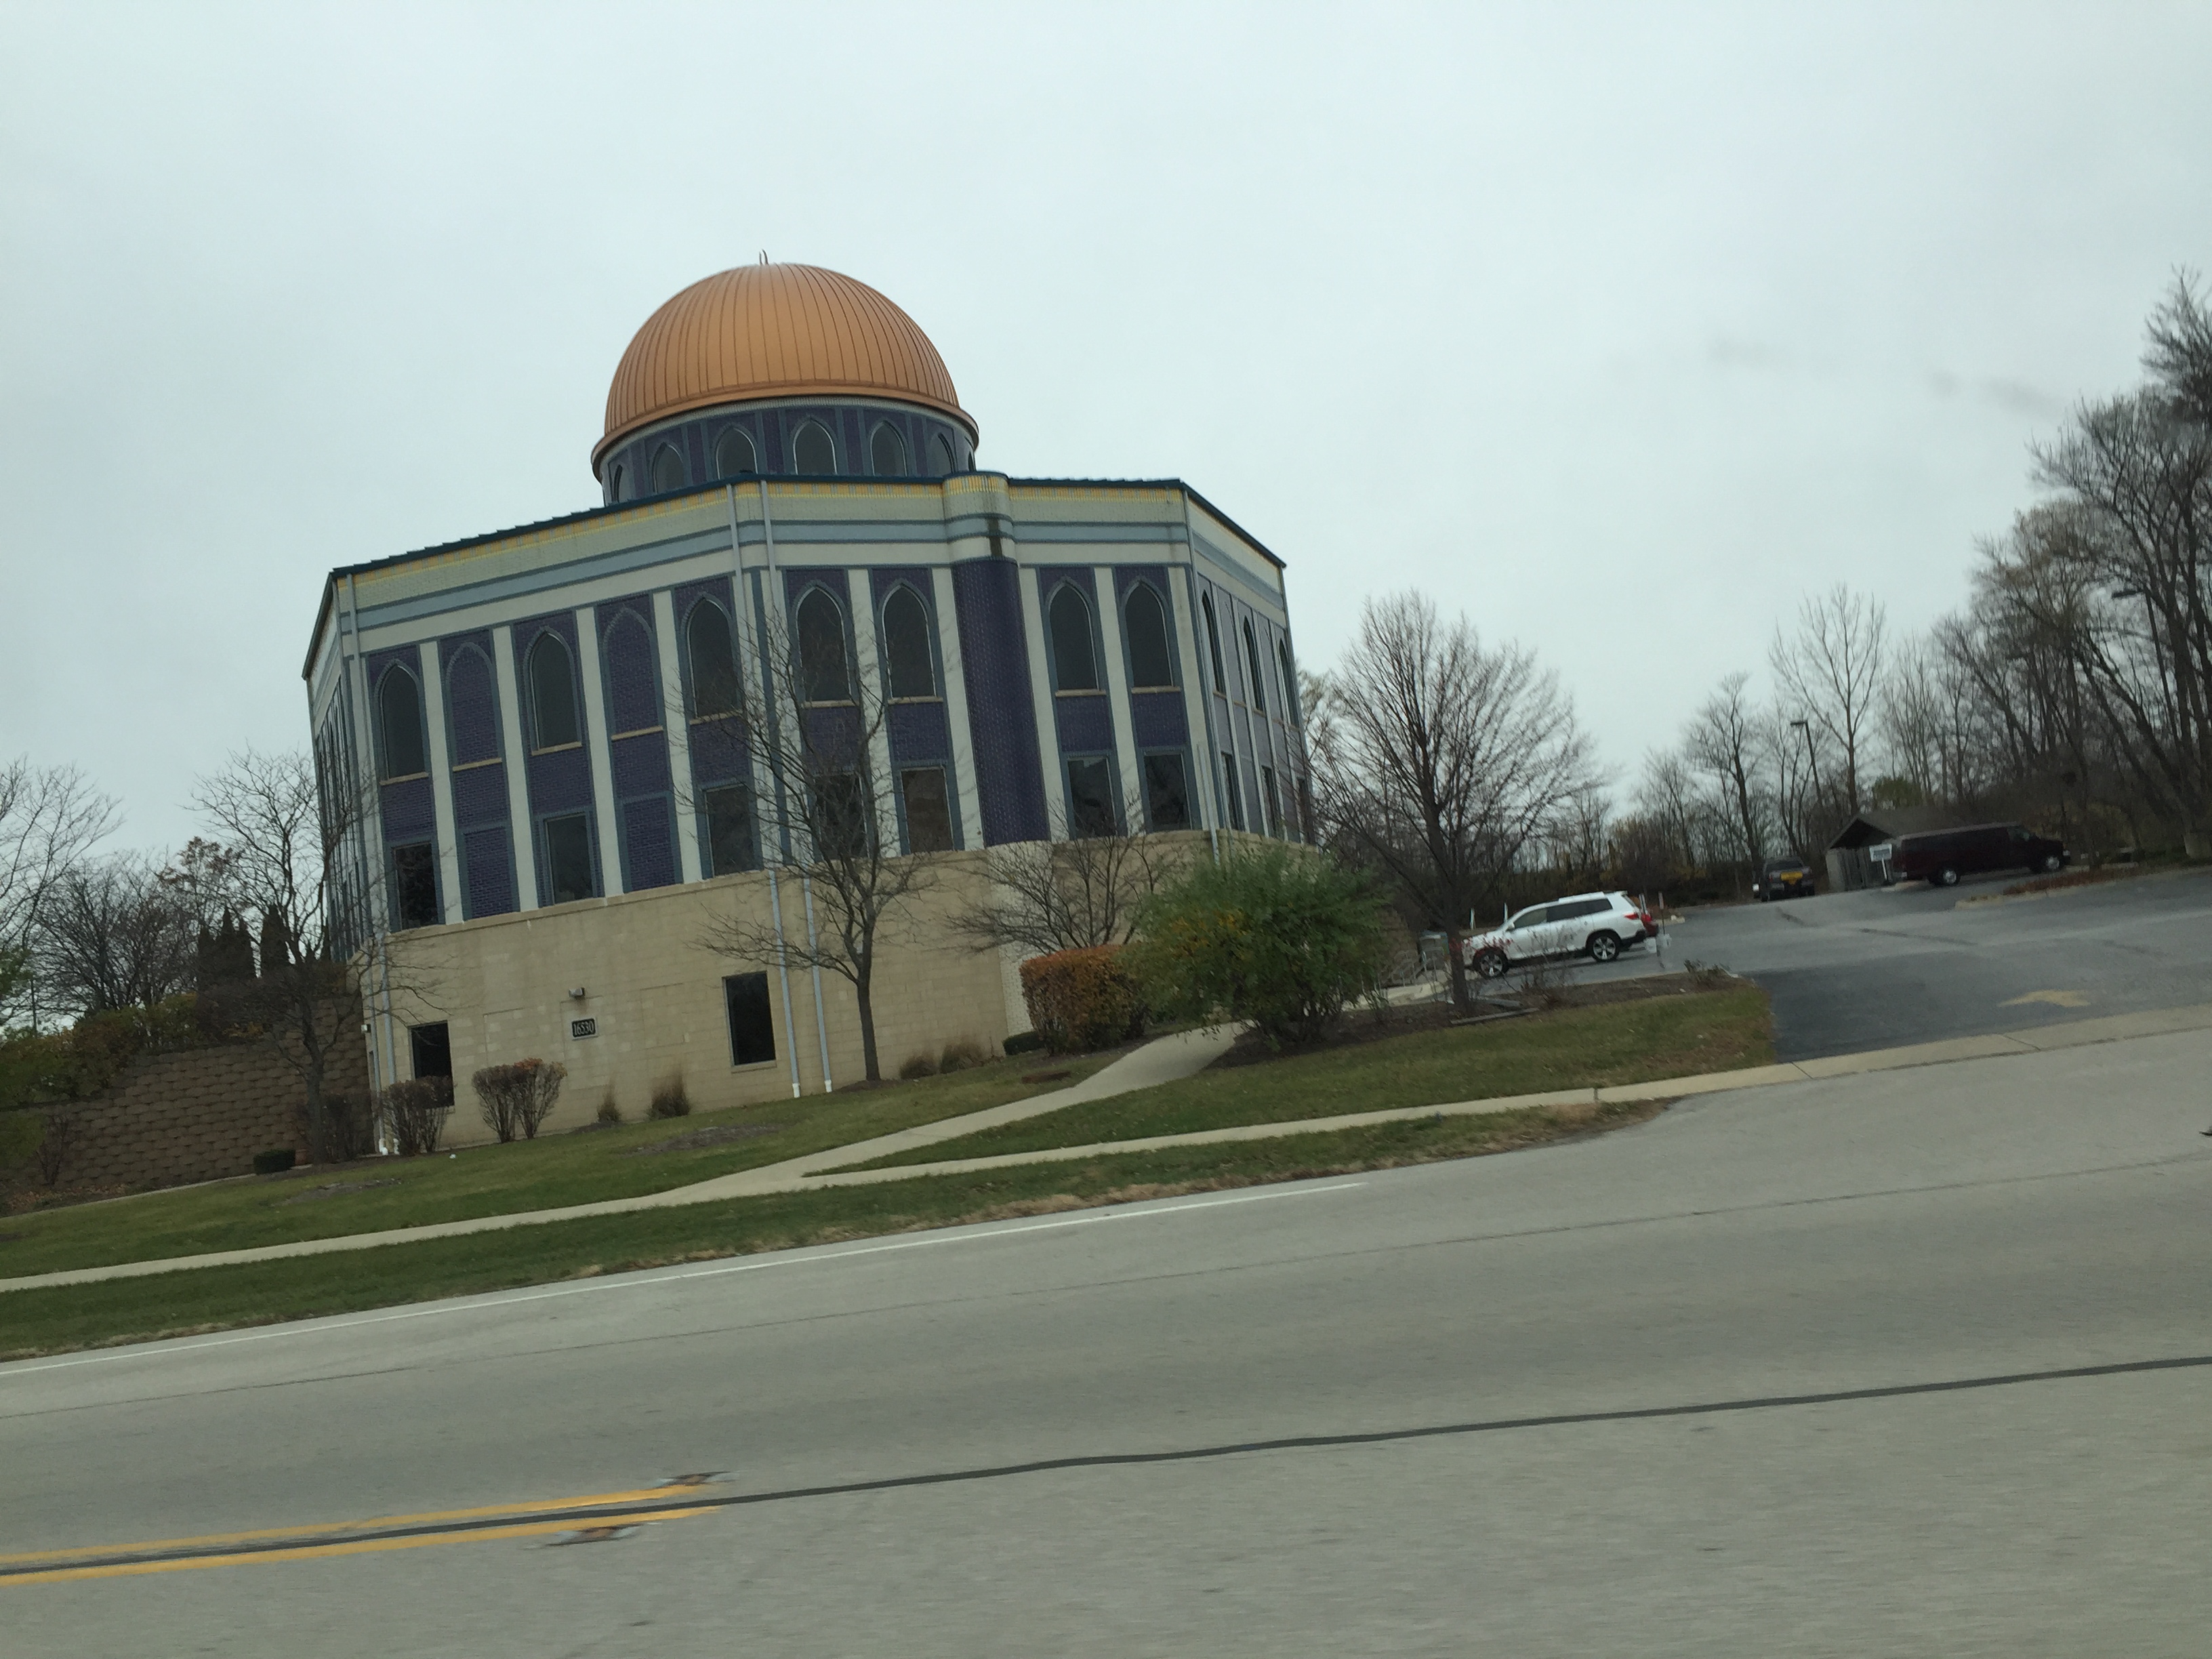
(1082, 1000)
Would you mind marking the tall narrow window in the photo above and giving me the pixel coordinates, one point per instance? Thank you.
(632, 676)
(1252, 666)
(841, 824)
(1271, 800)
(730, 845)
(667, 470)
(568, 858)
(399, 725)
(928, 810)
(619, 483)
(734, 455)
(752, 1023)
(824, 676)
(1213, 644)
(887, 451)
(553, 723)
(906, 645)
(414, 885)
(713, 661)
(1167, 794)
(812, 452)
(1150, 664)
(1235, 795)
(1075, 662)
(1290, 680)
(1091, 798)
(940, 450)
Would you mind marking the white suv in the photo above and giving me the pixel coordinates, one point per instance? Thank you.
(1598, 925)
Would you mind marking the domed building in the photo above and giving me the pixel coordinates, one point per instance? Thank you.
(579, 744)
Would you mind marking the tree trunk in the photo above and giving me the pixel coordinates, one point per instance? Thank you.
(1455, 966)
(874, 1070)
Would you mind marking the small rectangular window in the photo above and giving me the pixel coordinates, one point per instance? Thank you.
(1167, 793)
(1091, 798)
(432, 1049)
(1271, 802)
(568, 858)
(928, 813)
(752, 1027)
(729, 843)
(1236, 796)
(414, 885)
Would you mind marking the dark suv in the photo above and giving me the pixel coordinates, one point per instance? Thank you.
(1942, 856)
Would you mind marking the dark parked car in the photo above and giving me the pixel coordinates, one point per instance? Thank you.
(1783, 878)
(1942, 856)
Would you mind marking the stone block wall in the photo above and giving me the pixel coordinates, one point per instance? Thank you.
(198, 1116)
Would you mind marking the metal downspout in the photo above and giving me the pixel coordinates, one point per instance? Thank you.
(775, 896)
(383, 1062)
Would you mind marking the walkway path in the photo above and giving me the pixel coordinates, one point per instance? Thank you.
(1182, 1056)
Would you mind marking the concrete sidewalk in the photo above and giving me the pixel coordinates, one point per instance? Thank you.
(1182, 1056)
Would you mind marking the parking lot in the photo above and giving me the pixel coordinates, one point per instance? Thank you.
(1912, 963)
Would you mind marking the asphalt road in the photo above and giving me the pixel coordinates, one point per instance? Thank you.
(1600, 1380)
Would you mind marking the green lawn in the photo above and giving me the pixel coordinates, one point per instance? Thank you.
(1617, 1042)
(537, 1174)
(344, 1281)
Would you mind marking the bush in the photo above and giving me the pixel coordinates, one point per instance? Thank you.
(1082, 1000)
(418, 1110)
(1024, 1042)
(275, 1161)
(669, 1100)
(917, 1066)
(349, 1128)
(1281, 938)
(609, 1112)
(42, 1066)
(518, 1097)
(22, 1136)
(960, 1053)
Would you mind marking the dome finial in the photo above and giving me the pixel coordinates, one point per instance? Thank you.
(763, 256)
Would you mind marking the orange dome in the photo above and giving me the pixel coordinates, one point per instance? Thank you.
(774, 331)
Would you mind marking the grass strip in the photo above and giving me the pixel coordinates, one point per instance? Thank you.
(1640, 1042)
(192, 1301)
(546, 1174)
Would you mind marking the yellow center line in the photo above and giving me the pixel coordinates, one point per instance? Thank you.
(324, 1529)
(317, 1551)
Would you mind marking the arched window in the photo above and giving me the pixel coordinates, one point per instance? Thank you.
(1151, 663)
(812, 450)
(1213, 643)
(1074, 663)
(667, 470)
(824, 676)
(618, 482)
(552, 693)
(633, 676)
(1290, 680)
(1252, 662)
(906, 645)
(399, 725)
(940, 450)
(472, 707)
(887, 451)
(713, 661)
(734, 455)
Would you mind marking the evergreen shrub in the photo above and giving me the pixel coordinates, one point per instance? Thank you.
(1281, 937)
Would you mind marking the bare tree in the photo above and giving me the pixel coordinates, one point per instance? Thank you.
(1066, 894)
(1831, 672)
(113, 935)
(50, 818)
(1722, 742)
(1438, 762)
(817, 742)
(2179, 353)
(284, 833)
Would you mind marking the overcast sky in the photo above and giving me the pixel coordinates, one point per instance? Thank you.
(1620, 328)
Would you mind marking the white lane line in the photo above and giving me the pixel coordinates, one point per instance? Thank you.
(639, 1281)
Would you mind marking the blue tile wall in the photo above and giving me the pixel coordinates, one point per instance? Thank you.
(632, 665)
(919, 732)
(1086, 725)
(771, 431)
(471, 700)
(1157, 719)
(1002, 723)
(648, 831)
(487, 871)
